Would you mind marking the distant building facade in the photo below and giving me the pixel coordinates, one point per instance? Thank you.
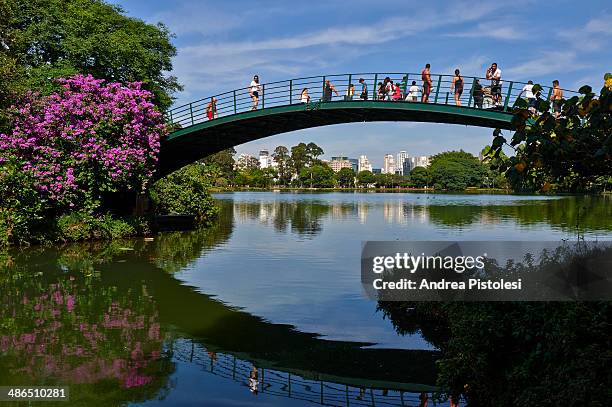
(388, 164)
(402, 156)
(364, 164)
(338, 163)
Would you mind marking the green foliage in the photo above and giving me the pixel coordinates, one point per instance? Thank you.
(283, 159)
(79, 226)
(365, 178)
(23, 210)
(387, 180)
(346, 177)
(221, 166)
(456, 170)
(569, 153)
(258, 178)
(303, 155)
(58, 38)
(317, 176)
(420, 177)
(185, 191)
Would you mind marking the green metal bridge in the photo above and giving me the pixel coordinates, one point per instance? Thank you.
(280, 109)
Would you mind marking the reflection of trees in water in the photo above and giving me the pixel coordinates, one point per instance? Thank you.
(172, 251)
(520, 353)
(60, 326)
(588, 213)
(303, 217)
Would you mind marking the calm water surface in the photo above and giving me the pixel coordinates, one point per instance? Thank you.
(273, 285)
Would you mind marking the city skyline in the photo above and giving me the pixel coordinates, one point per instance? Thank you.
(358, 163)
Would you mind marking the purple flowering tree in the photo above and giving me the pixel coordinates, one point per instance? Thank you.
(86, 140)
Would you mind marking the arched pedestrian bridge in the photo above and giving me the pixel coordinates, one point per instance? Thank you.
(280, 110)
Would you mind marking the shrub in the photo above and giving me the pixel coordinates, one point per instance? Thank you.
(185, 192)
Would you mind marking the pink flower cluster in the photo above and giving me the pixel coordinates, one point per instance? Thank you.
(87, 139)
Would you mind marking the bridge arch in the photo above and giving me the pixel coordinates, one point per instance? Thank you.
(280, 110)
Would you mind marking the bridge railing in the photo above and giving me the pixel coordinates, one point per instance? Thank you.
(289, 92)
(290, 385)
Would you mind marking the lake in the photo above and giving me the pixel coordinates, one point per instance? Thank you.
(265, 307)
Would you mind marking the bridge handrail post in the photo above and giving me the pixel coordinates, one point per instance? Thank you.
(291, 91)
(263, 96)
(170, 113)
(446, 101)
(508, 95)
(235, 105)
(374, 87)
(191, 113)
(471, 92)
(349, 83)
(323, 90)
(438, 88)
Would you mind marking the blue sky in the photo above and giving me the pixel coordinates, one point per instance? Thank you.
(221, 44)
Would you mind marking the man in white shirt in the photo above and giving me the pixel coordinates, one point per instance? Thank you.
(528, 91)
(494, 74)
(413, 92)
(254, 90)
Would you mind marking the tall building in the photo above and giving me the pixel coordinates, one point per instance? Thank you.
(402, 156)
(337, 163)
(421, 161)
(364, 164)
(389, 164)
(264, 159)
(407, 166)
(354, 164)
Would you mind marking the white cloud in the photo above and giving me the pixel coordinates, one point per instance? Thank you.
(545, 63)
(501, 31)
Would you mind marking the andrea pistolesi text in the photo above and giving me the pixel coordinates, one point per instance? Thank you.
(457, 264)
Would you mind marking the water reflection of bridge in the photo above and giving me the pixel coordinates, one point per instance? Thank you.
(305, 386)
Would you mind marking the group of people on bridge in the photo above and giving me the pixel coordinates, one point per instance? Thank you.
(388, 90)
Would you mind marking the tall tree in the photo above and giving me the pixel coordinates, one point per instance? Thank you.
(58, 38)
(346, 177)
(314, 152)
(283, 160)
(365, 178)
(456, 170)
(224, 160)
(299, 157)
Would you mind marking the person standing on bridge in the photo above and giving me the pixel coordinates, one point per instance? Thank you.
(380, 91)
(413, 93)
(305, 97)
(427, 83)
(494, 74)
(211, 109)
(327, 91)
(364, 90)
(457, 87)
(528, 92)
(557, 98)
(254, 91)
(478, 94)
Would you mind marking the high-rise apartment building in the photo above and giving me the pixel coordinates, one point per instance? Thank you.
(364, 164)
(389, 164)
(337, 163)
(402, 156)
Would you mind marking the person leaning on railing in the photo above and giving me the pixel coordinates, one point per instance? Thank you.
(364, 90)
(477, 94)
(305, 97)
